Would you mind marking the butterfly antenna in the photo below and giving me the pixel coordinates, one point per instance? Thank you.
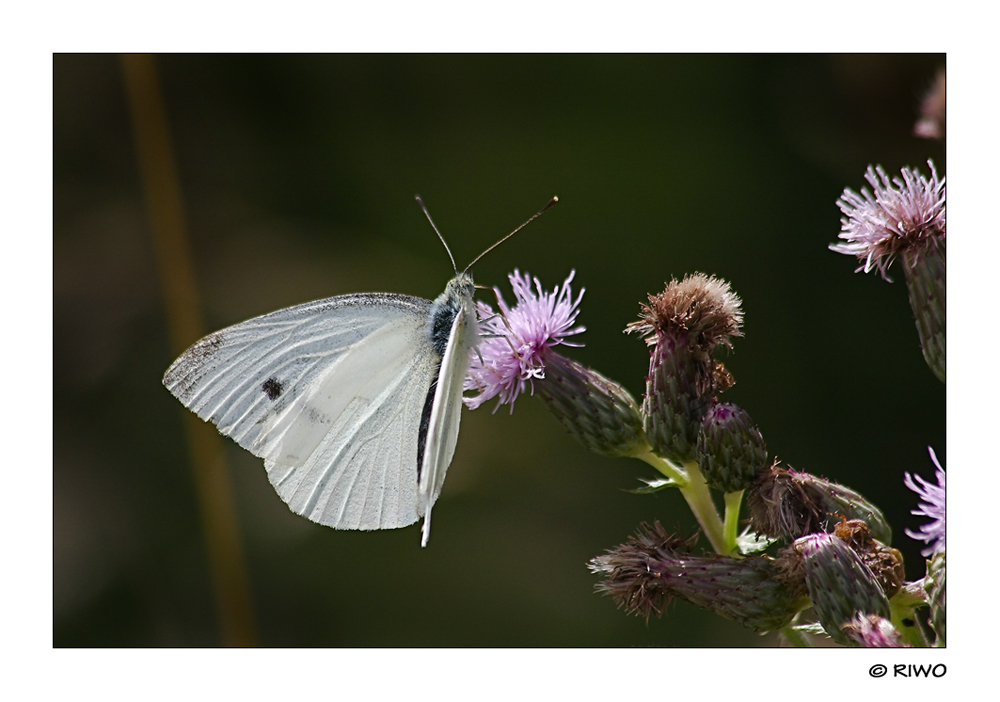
(538, 214)
(428, 214)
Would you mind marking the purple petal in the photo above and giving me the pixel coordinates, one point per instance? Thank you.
(514, 355)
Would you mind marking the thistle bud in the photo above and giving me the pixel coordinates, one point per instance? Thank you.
(789, 503)
(598, 412)
(683, 325)
(731, 450)
(840, 585)
(872, 631)
(644, 574)
(934, 586)
(885, 562)
(925, 282)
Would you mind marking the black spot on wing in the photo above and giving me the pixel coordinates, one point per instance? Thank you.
(272, 388)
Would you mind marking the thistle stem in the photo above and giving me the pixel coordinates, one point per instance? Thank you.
(700, 501)
(695, 490)
(795, 637)
(664, 466)
(732, 522)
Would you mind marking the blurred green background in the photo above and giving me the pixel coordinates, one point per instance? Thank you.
(298, 174)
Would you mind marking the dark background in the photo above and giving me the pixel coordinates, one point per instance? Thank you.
(299, 173)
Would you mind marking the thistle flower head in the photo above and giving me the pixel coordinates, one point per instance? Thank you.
(840, 585)
(654, 567)
(731, 450)
(904, 216)
(701, 307)
(683, 324)
(885, 562)
(872, 631)
(518, 340)
(933, 506)
(786, 503)
(781, 507)
(595, 410)
(628, 575)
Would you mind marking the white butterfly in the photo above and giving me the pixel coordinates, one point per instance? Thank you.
(353, 401)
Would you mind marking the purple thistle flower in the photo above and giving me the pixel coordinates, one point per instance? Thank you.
(523, 335)
(873, 631)
(933, 506)
(905, 216)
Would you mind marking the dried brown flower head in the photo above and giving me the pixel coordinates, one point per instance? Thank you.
(786, 503)
(646, 573)
(702, 308)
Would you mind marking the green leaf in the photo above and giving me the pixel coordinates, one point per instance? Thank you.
(750, 542)
(812, 628)
(654, 485)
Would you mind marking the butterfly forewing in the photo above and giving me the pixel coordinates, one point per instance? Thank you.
(359, 373)
(330, 394)
(446, 410)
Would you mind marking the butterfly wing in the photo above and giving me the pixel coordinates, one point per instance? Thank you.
(446, 408)
(330, 394)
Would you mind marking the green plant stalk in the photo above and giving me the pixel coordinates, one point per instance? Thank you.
(732, 523)
(795, 637)
(664, 466)
(700, 501)
(695, 490)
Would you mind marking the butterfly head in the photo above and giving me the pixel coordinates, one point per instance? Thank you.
(461, 287)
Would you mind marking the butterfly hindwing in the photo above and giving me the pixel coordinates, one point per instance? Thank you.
(363, 472)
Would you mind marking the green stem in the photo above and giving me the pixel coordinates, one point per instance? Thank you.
(795, 637)
(664, 466)
(700, 501)
(695, 490)
(732, 523)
